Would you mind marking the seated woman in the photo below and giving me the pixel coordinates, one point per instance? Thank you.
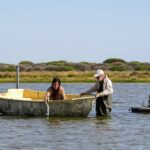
(55, 92)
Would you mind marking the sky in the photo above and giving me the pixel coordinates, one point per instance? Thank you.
(74, 30)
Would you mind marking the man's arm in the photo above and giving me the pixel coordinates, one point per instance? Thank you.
(92, 89)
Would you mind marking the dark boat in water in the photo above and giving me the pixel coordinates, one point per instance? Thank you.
(142, 109)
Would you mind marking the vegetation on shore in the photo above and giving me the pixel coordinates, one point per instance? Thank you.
(117, 69)
(75, 76)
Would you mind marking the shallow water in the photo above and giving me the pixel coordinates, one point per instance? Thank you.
(123, 130)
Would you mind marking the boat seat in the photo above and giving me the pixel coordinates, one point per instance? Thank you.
(35, 95)
(71, 96)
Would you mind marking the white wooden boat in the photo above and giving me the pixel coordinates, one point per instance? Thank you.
(25, 102)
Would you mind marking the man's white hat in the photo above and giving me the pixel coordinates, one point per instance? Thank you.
(99, 72)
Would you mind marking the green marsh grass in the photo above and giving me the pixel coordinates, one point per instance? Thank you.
(75, 76)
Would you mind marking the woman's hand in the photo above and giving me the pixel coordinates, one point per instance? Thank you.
(47, 96)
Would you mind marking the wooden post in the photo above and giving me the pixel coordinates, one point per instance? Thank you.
(17, 77)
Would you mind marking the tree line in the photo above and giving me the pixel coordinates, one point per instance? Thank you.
(112, 64)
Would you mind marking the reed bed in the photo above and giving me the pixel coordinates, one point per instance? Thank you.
(75, 76)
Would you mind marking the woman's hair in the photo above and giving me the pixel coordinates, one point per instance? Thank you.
(56, 80)
(55, 92)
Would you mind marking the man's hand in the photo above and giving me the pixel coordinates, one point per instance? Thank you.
(98, 94)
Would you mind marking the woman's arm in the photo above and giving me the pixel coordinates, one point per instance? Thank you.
(48, 94)
(63, 93)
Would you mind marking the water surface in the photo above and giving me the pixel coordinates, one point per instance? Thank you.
(123, 130)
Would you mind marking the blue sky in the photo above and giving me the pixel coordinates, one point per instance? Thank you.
(74, 30)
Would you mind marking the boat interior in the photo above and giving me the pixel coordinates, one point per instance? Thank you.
(26, 94)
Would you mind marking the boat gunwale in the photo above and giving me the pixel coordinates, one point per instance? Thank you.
(42, 100)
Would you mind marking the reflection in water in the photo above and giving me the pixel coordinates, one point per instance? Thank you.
(123, 130)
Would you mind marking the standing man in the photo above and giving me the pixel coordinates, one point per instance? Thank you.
(104, 90)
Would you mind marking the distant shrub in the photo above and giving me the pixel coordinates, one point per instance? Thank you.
(101, 66)
(51, 68)
(38, 68)
(135, 62)
(59, 68)
(25, 67)
(117, 67)
(140, 66)
(113, 64)
(62, 62)
(66, 68)
(26, 62)
(10, 68)
(86, 63)
(112, 60)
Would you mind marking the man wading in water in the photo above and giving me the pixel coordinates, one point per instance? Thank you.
(104, 90)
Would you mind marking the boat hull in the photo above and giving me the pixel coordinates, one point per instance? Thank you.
(31, 103)
(140, 109)
(22, 108)
(74, 108)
